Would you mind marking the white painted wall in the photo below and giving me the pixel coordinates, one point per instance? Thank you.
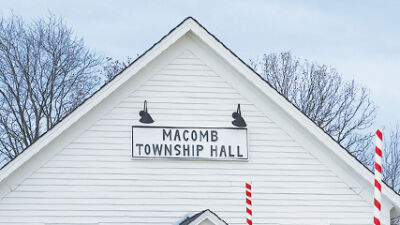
(93, 180)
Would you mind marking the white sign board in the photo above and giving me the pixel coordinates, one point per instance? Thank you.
(189, 143)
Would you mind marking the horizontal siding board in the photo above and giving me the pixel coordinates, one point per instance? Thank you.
(194, 115)
(118, 191)
(181, 195)
(189, 66)
(208, 122)
(195, 165)
(167, 213)
(205, 84)
(194, 176)
(175, 171)
(155, 220)
(187, 61)
(171, 188)
(117, 159)
(162, 203)
(226, 110)
(184, 76)
(176, 74)
(176, 94)
(175, 208)
(182, 100)
(187, 89)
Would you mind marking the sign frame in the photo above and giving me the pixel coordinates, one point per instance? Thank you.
(190, 158)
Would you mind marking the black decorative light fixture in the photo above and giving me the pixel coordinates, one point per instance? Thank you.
(145, 116)
(238, 119)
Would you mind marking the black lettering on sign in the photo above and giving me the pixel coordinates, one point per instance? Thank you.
(204, 136)
(167, 134)
(189, 142)
(177, 149)
(185, 132)
(230, 151)
(213, 149)
(186, 150)
(168, 149)
(157, 149)
(238, 152)
(194, 135)
(147, 149)
(222, 151)
(214, 135)
(177, 136)
(199, 148)
(139, 148)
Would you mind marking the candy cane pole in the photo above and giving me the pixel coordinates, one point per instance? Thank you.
(378, 178)
(249, 208)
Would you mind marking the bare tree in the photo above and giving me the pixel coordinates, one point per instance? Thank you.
(391, 161)
(45, 72)
(391, 158)
(343, 109)
(113, 67)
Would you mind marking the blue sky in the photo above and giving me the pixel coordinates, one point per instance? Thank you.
(361, 39)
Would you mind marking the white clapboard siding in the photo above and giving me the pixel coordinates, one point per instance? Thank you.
(93, 180)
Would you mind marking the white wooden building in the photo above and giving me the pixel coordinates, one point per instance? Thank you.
(82, 171)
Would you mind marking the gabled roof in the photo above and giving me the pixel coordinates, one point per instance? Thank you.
(202, 216)
(191, 25)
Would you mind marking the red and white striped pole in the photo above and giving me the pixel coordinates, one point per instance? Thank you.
(378, 178)
(249, 204)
